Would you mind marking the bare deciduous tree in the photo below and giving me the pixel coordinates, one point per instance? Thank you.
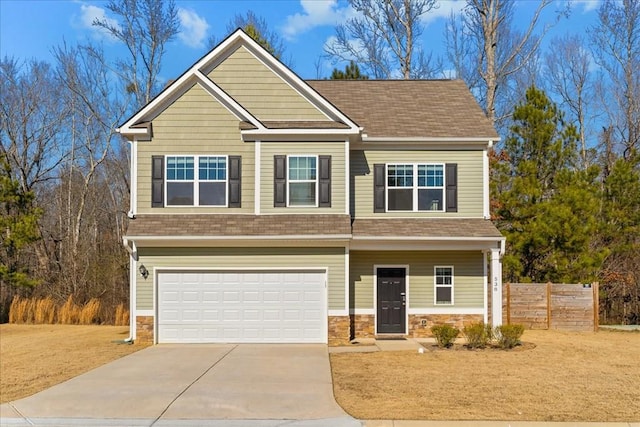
(145, 27)
(567, 74)
(384, 39)
(258, 28)
(616, 49)
(487, 50)
(32, 118)
(95, 113)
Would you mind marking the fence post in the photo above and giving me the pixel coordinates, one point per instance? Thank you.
(548, 305)
(508, 303)
(596, 306)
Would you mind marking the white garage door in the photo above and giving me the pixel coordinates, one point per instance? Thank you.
(242, 307)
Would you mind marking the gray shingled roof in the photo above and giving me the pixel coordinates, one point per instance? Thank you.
(227, 225)
(408, 108)
(425, 227)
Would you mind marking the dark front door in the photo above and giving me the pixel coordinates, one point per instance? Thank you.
(391, 301)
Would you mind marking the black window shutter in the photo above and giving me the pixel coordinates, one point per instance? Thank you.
(279, 181)
(325, 181)
(378, 188)
(235, 172)
(452, 186)
(157, 181)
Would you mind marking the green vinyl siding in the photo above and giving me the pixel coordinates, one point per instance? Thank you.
(335, 149)
(243, 258)
(195, 124)
(468, 276)
(470, 178)
(259, 90)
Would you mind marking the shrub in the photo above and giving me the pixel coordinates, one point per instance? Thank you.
(445, 335)
(508, 336)
(478, 335)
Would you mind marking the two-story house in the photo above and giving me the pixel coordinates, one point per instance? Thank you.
(266, 208)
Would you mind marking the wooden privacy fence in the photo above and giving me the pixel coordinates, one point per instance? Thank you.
(551, 305)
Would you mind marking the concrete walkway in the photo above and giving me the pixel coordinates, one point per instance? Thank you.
(223, 384)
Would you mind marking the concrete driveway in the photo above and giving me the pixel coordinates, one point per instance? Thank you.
(193, 385)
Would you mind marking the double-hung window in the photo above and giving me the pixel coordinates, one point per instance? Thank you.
(443, 278)
(415, 187)
(303, 182)
(196, 180)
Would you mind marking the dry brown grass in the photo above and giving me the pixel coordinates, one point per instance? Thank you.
(69, 313)
(564, 377)
(121, 317)
(89, 312)
(45, 312)
(36, 357)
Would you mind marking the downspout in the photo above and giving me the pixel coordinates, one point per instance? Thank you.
(130, 245)
(134, 179)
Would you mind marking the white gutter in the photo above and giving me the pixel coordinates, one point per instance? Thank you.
(431, 239)
(216, 238)
(419, 139)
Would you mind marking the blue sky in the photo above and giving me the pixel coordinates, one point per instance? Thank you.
(30, 28)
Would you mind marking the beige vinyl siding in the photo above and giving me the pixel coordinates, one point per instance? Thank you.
(195, 124)
(259, 90)
(335, 149)
(200, 258)
(468, 276)
(470, 179)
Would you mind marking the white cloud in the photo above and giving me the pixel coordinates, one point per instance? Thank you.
(193, 28)
(442, 10)
(589, 5)
(90, 13)
(316, 13)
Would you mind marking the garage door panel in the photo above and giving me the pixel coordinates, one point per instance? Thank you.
(210, 296)
(210, 315)
(241, 307)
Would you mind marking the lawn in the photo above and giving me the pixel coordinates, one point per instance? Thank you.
(36, 357)
(556, 376)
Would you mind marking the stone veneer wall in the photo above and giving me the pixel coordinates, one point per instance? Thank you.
(144, 329)
(416, 330)
(363, 326)
(339, 330)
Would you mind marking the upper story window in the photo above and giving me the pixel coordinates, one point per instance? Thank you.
(303, 183)
(196, 180)
(415, 187)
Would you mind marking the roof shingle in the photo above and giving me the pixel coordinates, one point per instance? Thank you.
(228, 225)
(425, 228)
(409, 108)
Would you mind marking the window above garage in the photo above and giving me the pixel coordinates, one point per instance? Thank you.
(196, 181)
(211, 180)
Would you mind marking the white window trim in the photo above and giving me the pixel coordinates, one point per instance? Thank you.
(303, 181)
(415, 186)
(196, 180)
(436, 286)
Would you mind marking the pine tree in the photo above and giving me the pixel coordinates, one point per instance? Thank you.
(545, 207)
(351, 72)
(18, 227)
